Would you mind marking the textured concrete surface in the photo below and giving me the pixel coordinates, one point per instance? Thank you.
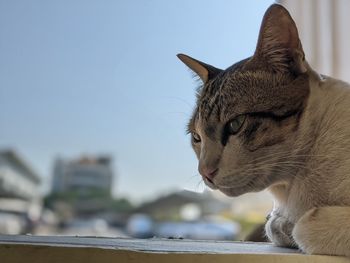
(95, 249)
(151, 245)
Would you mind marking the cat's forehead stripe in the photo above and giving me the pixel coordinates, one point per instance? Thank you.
(233, 90)
(211, 102)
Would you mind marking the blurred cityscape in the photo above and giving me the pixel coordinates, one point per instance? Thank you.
(52, 54)
(80, 202)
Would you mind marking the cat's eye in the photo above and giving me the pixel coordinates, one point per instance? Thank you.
(195, 137)
(235, 125)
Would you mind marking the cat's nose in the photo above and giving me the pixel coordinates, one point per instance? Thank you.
(208, 172)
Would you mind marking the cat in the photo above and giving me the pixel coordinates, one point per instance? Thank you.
(271, 122)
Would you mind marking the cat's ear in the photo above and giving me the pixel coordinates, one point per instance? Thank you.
(203, 70)
(279, 44)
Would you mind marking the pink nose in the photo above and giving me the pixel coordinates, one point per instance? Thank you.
(208, 172)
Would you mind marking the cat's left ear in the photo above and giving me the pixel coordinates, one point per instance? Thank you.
(203, 70)
(279, 44)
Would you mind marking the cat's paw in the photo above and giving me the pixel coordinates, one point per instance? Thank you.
(323, 230)
(279, 230)
(304, 232)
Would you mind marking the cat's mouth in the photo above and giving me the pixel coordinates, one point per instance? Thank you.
(210, 184)
(251, 185)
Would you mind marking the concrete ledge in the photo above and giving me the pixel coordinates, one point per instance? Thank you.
(91, 249)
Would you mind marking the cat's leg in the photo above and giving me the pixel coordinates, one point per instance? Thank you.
(324, 230)
(279, 230)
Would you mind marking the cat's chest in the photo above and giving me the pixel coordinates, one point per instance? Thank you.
(307, 194)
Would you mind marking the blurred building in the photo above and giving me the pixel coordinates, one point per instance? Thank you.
(177, 205)
(83, 175)
(20, 199)
(184, 214)
(17, 179)
(82, 187)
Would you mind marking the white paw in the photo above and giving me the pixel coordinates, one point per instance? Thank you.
(279, 231)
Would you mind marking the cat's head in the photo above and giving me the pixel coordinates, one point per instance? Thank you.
(247, 116)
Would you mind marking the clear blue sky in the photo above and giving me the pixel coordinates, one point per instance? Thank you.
(102, 77)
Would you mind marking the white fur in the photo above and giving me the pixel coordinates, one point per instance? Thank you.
(317, 200)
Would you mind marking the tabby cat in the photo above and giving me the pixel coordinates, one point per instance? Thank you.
(270, 121)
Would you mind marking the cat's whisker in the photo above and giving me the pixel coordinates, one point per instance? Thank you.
(286, 169)
(179, 99)
(200, 184)
(178, 112)
(281, 155)
(192, 177)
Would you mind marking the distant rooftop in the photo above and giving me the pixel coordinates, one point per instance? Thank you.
(103, 159)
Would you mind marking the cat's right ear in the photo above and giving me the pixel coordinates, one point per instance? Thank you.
(279, 44)
(203, 70)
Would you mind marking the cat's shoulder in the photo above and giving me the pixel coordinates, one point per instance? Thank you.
(330, 82)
